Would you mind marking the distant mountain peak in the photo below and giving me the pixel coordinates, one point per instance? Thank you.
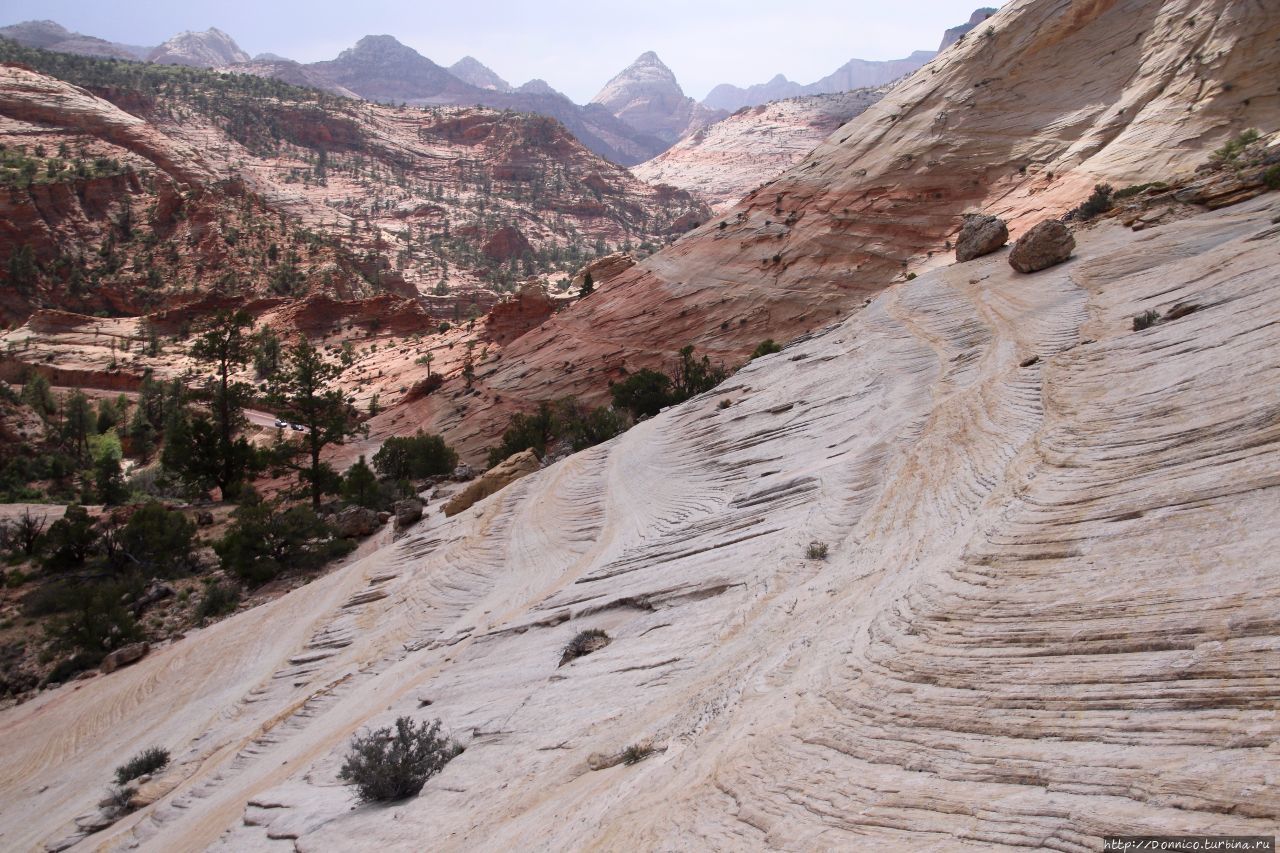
(208, 49)
(468, 69)
(647, 96)
(50, 35)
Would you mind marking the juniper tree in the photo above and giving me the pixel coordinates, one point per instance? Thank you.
(226, 347)
(303, 394)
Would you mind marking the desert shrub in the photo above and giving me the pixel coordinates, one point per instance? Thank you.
(148, 761)
(1235, 146)
(525, 432)
(23, 536)
(766, 347)
(414, 457)
(584, 643)
(1146, 320)
(647, 392)
(119, 800)
(95, 620)
(584, 427)
(636, 753)
(219, 599)
(158, 540)
(644, 393)
(361, 487)
(1098, 202)
(70, 540)
(393, 766)
(694, 376)
(66, 668)
(265, 540)
(816, 551)
(1271, 178)
(1138, 189)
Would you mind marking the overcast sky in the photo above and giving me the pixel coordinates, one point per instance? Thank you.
(575, 45)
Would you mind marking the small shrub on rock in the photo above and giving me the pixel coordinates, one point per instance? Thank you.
(219, 599)
(1146, 320)
(766, 347)
(386, 766)
(148, 761)
(584, 643)
(1097, 203)
(636, 753)
(816, 551)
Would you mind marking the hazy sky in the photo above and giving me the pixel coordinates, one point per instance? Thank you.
(576, 45)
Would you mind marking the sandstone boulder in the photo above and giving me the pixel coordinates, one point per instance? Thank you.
(603, 269)
(124, 656)
(980, 235)
(407, 512)
(356, 521)
(496, 478)
(1048, 244)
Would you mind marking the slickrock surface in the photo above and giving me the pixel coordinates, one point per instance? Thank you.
(1047, 613)
(727, 160)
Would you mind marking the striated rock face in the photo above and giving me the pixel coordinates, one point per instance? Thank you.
(980, 235)
(726, 160)
(494, 480)
(506, 243)
(1047, 614)
(646, 96)
(209, 49)
(526, 309)
(1045, 245)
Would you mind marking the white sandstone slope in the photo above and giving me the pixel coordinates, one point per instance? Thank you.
(726, 160)
(1048, 613)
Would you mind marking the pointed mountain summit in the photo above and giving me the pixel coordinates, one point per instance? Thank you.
(647, 96)
(381, 68)
(209, 49)
(468, 69)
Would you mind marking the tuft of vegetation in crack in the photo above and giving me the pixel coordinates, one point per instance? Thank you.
(148, 761)
(584, 643)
